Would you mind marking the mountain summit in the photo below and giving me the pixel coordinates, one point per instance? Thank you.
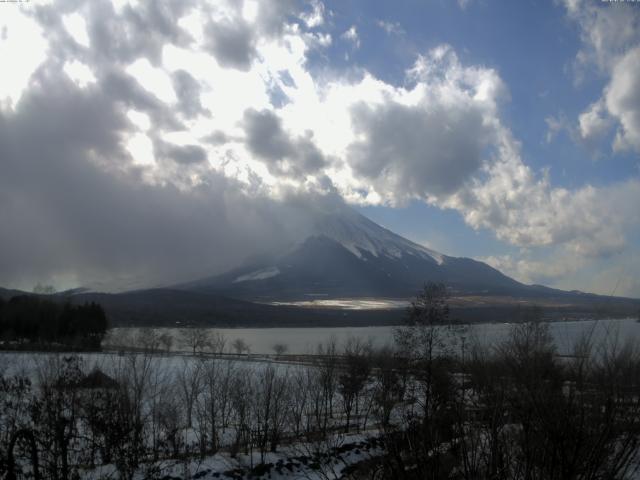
(347, 255)
(344, 258)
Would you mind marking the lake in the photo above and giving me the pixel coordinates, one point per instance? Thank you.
(304, 340)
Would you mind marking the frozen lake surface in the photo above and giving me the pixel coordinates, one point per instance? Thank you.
(305, 339)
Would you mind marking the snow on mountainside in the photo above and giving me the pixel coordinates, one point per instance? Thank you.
(358, 234)
(344, 254)
(258, 275)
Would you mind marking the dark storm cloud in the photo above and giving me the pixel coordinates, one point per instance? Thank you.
(267, 140)
(72, 202)
(135, 33)
(272, 15)
(216, 138)
(183, 154)
(116, 37)
(123, 88)
(187, 89)
(418, 150)
(265, 136)
(232, 43)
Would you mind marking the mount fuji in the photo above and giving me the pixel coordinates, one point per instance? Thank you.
(347, 255)
(343, 260)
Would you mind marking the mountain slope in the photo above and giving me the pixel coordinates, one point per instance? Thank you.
(348, 255)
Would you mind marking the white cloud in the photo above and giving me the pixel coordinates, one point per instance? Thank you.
(140, 147)
(564, 269)
(610, 42)
(250, 10)
(315, 17)
(351, 35)
(152, 79)
(607, 31)
(594, 123)
(22, 49)
(77, 28)
(80, 73)
(528, 270)
(391, 27)
(463, 4)
(121, 4)
(623, 100)
(525, 210)
(139, 119)
(557, 124)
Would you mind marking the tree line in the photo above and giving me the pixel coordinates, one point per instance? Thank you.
(437, 404)
(33, 321)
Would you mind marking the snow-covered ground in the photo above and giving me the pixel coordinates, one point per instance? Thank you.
(300, 461)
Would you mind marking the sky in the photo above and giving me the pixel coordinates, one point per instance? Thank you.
(147, 143)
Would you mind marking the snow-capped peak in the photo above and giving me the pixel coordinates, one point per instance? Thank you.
(358, 234)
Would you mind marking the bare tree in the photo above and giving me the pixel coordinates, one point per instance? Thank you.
(189, 380)
(354, 375)
(213, 404)
(195, 339)
(299, 405)
(216, 342)
(241, 394)
(59, 414)
(166, 340)
(325, 383)
(270, 408)
(131, 412)
(425, 343)
(389, 383)
(280, 349)
(240, 346)
(148, 339)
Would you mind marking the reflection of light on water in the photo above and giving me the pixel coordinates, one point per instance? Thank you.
(348, 304)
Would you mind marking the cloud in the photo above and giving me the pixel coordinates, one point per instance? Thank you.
(611, 42)
(267, 139)
(232, 43)
(62, 212)
(78, 209)
(351, 35)
(607, 31)
(391, 27)
(417, 151)
(184, 154)
(525, 210)
(623, 100)
(315, 17)
(594, 123)
(188, 90)
(22, 45)
(265, 136)
(566, 270)
(200, 124)
(540, 272)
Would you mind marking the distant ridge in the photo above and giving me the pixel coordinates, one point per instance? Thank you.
(163, 307)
